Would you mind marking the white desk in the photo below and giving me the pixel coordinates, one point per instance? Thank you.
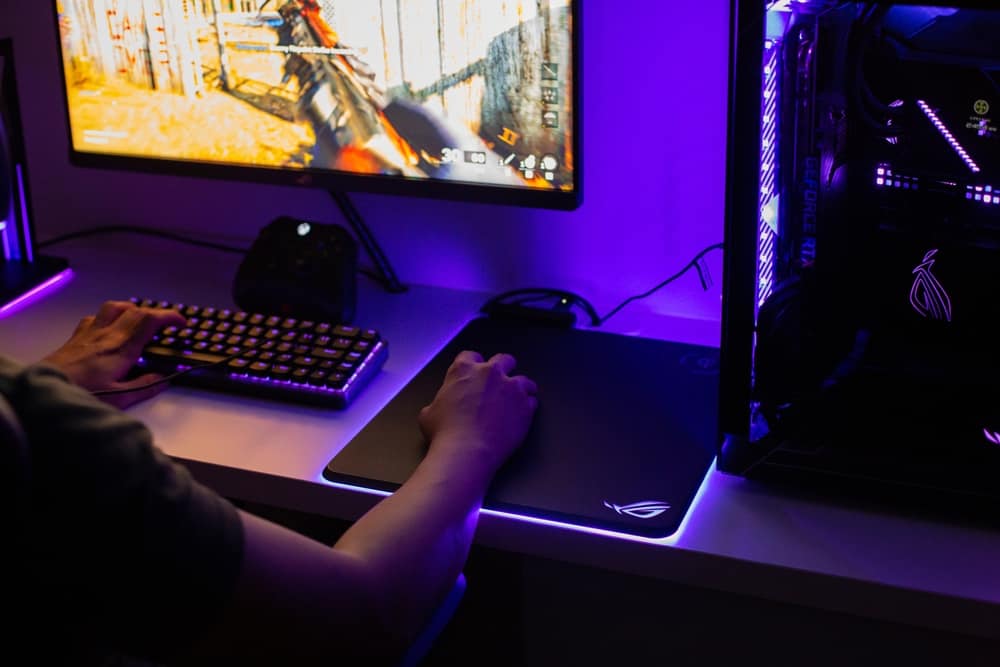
(739, 538)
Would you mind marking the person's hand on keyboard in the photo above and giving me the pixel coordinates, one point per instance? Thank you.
(481, 410)
(106, 346)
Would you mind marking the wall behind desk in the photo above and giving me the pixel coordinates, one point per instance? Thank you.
(654, 136)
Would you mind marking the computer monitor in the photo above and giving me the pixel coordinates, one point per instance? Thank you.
(475, 100)
(23, 272)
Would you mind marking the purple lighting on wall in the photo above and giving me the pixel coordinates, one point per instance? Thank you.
(35, 294)
(949, 137)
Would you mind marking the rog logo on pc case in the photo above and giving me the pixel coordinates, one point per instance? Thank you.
(992, 436)
(927, 296)
(647, 509)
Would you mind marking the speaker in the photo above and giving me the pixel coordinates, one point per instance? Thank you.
(300, 269)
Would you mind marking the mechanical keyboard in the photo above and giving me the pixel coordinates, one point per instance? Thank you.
(265, 355)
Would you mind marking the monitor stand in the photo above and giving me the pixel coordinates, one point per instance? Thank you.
(21, 283)
(24, 277)
(385, 274)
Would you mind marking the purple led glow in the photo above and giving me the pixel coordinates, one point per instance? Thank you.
(885, 178)
(984, 194)
(768, 220)
(36, 293)
(432, 353)
(243, 377)
(4, 232)
(25, 222)
(927, 296)
(663, 541)
(949, 137)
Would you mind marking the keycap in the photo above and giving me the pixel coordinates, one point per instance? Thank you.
(266, 355)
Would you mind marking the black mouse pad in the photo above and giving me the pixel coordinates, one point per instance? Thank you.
(623, 437)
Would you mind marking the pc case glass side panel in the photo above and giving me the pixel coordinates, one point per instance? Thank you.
(802, 143)
(884, 219)
(789, 193)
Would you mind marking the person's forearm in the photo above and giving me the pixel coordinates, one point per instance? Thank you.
(417, 540)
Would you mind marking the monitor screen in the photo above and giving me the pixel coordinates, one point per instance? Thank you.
(467, 99)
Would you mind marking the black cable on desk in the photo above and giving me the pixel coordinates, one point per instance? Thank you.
(130, 229)
(565, 300)
(693, 264)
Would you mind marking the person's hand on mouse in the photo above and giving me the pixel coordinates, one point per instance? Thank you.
(481, 410)
(106, 346)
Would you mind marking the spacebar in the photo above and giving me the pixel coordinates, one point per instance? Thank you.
(179, 355)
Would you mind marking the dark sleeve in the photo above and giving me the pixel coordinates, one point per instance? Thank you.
(120, 537)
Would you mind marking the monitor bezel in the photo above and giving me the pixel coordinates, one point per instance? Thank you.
(347, 181)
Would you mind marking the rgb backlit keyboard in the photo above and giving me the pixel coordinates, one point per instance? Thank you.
(265, 355)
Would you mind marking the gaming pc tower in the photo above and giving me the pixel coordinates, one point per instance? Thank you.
(863, 248)
(23, 273)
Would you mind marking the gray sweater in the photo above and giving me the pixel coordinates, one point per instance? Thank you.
(115, 548)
